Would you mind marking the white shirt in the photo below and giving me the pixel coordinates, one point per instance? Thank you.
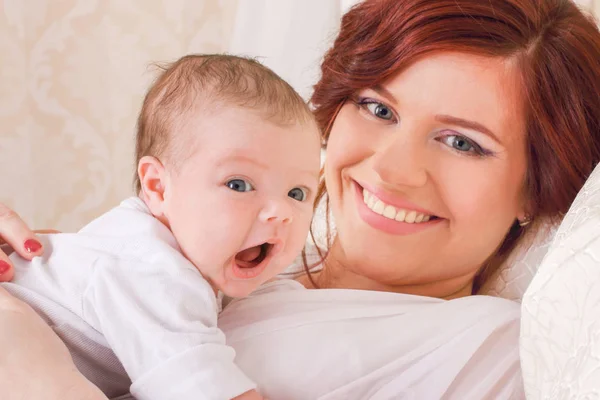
(135, 314)
(342, 344)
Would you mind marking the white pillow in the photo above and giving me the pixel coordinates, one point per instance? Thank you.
(560, 327)
(513, 277)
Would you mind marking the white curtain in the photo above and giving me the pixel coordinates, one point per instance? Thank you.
(289, 36)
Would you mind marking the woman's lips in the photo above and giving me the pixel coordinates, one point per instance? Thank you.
(393, 201)
(389, 218)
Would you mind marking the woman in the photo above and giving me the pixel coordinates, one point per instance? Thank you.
(452, 127)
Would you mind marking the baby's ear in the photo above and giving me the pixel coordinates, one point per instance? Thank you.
(153, 178)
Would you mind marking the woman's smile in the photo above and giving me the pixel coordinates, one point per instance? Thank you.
(391, 215)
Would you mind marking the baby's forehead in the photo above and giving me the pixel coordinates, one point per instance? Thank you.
(241, 136)
(228, 122)
(218, 122)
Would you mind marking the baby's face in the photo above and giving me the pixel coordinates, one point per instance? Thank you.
(241, 205)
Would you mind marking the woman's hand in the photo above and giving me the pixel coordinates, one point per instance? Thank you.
(15, 235)
(34, 362)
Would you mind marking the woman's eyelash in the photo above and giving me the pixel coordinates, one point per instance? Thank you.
(366, 102)
(458, 140)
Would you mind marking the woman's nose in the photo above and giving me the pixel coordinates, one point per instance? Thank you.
(276, 212)
(401, 162)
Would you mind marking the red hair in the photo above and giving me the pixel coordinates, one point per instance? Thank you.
(556, 48)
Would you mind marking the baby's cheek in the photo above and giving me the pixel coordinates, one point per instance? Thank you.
(300, 234)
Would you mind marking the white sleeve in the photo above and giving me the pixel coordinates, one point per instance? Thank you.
(161, 322)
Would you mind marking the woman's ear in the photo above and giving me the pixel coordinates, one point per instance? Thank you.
(524, 213)
(153, 182)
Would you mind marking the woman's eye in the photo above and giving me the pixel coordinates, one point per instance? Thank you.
(462, 144)
(239, 185)
(379, 110)
(298, 194)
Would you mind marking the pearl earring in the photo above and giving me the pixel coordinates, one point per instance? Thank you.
(526, 221)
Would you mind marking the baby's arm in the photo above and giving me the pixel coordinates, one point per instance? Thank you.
(160, 319)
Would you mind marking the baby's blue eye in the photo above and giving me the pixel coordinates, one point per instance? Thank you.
(239, 185)
(297, 194)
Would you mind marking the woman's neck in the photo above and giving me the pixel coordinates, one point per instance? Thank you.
(335, 274)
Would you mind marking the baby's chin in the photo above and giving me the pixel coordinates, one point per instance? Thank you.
(239, 289)
(231, 286)
(237, 282)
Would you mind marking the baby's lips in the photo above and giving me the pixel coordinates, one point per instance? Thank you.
(277, 245)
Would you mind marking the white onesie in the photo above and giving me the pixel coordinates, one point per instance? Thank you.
(136, 315)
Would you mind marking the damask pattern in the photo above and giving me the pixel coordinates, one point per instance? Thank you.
(73, 76)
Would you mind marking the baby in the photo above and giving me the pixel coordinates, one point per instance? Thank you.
(227, 171)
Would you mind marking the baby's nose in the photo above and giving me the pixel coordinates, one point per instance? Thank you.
(276, 212)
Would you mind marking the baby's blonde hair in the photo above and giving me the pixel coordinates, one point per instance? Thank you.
(204, 81)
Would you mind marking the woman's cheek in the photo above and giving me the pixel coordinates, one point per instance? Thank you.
(479, 199)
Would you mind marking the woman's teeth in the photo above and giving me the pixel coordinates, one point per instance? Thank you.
(391, 212)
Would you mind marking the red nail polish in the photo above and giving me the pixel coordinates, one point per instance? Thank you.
(4, 267)
(32, 245)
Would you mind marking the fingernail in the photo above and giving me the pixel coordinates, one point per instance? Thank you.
(32, 245)
(4, 267)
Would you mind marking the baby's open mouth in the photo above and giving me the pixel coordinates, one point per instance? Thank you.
(253, 256)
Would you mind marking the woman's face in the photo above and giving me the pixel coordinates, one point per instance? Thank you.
(425, 174)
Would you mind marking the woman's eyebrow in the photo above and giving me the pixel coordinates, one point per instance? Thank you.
(383, 92)
(465, 123)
